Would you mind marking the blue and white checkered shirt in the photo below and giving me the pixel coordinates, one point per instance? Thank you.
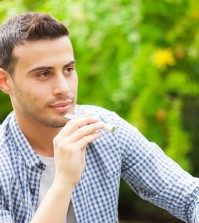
(125, 153)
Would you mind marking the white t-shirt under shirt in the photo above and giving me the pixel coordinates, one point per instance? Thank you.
(47, 180)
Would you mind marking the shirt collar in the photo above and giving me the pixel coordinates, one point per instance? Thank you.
(30, 156)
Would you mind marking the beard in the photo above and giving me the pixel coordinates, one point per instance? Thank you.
(48, 121)
(29, 108)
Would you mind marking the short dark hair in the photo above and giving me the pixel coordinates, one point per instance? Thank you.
(30, 26)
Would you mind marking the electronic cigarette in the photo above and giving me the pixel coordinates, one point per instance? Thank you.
(107, 127)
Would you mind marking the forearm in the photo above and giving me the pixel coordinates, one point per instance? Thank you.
(54, 206)
(164, 183)
(69, 152)
(192, 205)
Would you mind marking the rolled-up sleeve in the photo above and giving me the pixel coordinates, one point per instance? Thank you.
(157, 178)
(5, 216)
(193, 207)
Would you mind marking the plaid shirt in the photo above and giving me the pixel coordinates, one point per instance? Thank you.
(125, 153)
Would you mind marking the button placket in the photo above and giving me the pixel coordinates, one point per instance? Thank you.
(39, 167)
(32, 191)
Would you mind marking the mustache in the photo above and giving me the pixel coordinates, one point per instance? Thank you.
(60, 99)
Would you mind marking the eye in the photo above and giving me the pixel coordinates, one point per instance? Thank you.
(44, 74)
(69, 70)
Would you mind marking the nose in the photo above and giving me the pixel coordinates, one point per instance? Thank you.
(60, 85)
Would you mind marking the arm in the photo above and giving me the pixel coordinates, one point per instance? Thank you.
(69, 151)
(155, 177)
(5, 216)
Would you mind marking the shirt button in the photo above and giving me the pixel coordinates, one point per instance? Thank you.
(41, 166)
(32, 191)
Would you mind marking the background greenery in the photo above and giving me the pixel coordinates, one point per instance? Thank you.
(140, 59)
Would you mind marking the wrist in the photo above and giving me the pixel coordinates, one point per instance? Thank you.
(63, 188)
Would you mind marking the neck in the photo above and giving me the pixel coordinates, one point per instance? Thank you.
(39, 136)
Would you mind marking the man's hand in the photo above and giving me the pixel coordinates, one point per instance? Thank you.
(70, 148)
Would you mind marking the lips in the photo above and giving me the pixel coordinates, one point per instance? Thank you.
(61, 106)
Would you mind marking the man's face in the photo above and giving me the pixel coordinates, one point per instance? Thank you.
(44, 86)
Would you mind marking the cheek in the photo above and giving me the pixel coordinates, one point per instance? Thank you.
(74, 83)
(40, 97)
(40, 90)
(33, 95)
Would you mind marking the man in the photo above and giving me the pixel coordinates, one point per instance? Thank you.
(58, 170)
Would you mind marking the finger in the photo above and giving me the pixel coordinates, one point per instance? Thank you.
(84, 134)
(77, 123)
(82, 143)
(78, 145)
(85, 131)
(74, 116)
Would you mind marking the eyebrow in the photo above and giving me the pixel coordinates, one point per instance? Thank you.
(48, 67)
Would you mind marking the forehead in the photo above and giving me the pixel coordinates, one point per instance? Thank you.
(43, 52)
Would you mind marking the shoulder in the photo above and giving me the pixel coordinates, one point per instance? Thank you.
(5, 131)
(104, 114)
(5, 144)
(96, 110)
(110, 117)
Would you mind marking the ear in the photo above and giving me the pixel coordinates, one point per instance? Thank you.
(5, 85)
